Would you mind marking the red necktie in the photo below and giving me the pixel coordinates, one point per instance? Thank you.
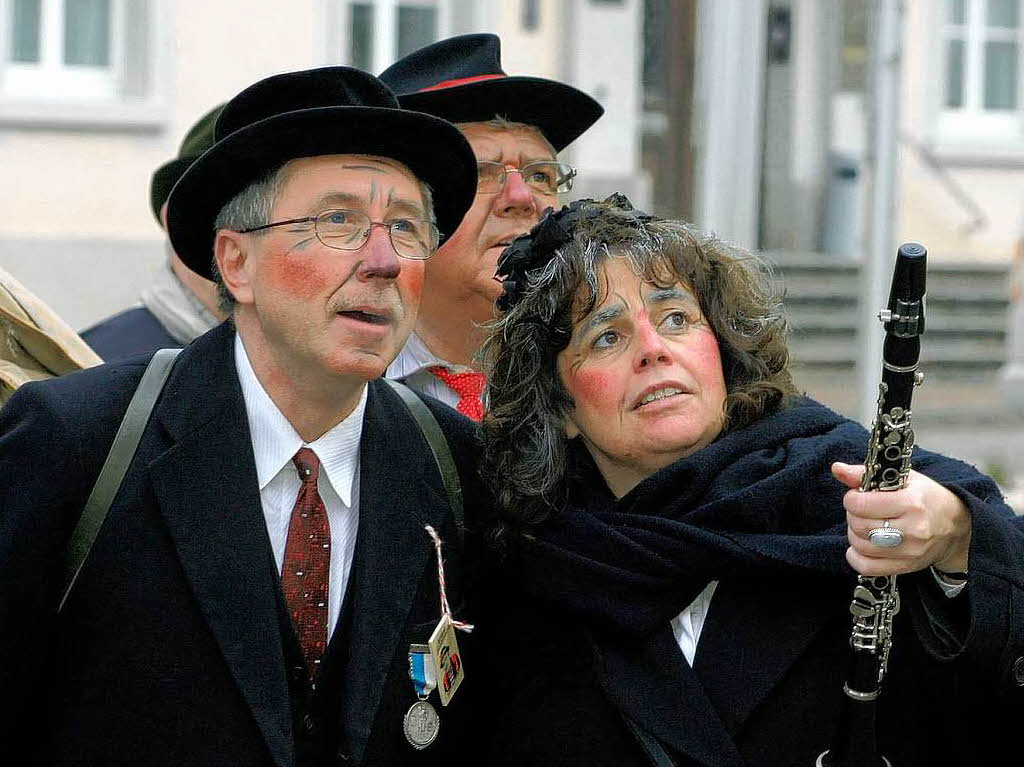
(469, 387)
(307, 563)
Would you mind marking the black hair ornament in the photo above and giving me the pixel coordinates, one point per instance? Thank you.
(555, 229)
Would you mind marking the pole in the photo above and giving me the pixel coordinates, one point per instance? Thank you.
(878, 261)
(385, 25)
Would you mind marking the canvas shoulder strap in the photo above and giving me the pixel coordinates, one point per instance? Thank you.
(439, 447)
(126, 441)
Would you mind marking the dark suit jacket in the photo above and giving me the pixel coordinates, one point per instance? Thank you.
(128, 333)
(169, 649)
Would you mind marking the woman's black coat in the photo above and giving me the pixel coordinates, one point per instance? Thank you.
(766, 684)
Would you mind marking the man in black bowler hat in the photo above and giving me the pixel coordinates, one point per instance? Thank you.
(179, 305)
(516, 125)
(263, 574)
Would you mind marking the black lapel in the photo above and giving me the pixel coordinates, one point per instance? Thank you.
(399, 494)
(753, 634)
(207, 490)
(651, 684)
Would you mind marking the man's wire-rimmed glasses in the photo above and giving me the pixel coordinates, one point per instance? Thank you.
(543, 177)
(413, 238)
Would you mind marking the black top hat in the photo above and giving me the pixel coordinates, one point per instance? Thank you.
(333, 110)
(198, 139)
(461, 80)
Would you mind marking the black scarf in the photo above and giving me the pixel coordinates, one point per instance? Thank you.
(758, 502)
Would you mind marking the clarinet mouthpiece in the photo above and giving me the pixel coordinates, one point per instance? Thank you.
(904, 313)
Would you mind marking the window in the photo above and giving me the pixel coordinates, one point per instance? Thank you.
(417, 26)
(980, 50)
(529, 15)
(80, 60)
(361, 37)
(63, 48)
(403, 27)
(853, 63)
(666, 76)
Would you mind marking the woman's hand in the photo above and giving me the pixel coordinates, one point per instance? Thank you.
(935, 524)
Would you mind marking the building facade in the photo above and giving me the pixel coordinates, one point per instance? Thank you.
(747, 116)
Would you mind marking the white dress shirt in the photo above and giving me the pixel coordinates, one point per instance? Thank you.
(690, 622)
(274, 443)
(410, 367)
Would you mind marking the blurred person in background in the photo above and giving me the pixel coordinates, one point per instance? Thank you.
(179, 305)
(516, 126)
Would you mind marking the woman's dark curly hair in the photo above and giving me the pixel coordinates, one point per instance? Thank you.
(553, 279)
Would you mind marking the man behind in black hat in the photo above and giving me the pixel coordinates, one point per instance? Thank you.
(179, 305)
(264, 581)
(515, 126)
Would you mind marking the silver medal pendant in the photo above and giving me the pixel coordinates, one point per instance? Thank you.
(421, 724)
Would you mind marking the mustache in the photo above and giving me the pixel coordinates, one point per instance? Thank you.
(386, 301)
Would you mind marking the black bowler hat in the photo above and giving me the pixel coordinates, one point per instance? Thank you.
(461, 80)
(332, 110)
(198, 139)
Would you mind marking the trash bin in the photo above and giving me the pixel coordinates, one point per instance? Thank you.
(842, 206)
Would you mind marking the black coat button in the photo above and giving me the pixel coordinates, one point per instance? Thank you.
(298, 674)
(1018, 671)
(343, 758)
(309, 723)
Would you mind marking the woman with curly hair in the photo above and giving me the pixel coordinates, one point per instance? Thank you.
(674, 517)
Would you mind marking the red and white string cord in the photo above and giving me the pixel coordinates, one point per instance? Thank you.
(445, 609)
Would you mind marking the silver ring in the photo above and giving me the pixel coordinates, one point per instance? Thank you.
(885, 537)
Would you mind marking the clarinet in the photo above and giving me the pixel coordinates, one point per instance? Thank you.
(876, 600)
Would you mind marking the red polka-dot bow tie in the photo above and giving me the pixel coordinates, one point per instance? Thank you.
(469, 387)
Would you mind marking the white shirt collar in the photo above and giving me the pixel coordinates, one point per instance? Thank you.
(414, 357)
(275, 441)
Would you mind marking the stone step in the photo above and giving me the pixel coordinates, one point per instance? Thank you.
(964, 407)
(963, 351)
(831, 285)
(967, 315)
(959, 305)
(795, 261)
(951, 354)
(804, 321)
(966, 400)
(813, 274)
(938, 274)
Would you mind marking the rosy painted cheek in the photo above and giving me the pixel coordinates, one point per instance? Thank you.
(706, 345)
(297, 276)
(706, 362)
(592, 388)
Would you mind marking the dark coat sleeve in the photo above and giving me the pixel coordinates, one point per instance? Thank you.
(995, 629)
(982, 630)
(52, 443)
(978, 636)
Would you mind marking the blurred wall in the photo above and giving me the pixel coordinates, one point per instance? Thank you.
(75, 223)
(960, 191)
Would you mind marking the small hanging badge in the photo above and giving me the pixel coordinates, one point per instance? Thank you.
(447, 660)
(421, 723)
